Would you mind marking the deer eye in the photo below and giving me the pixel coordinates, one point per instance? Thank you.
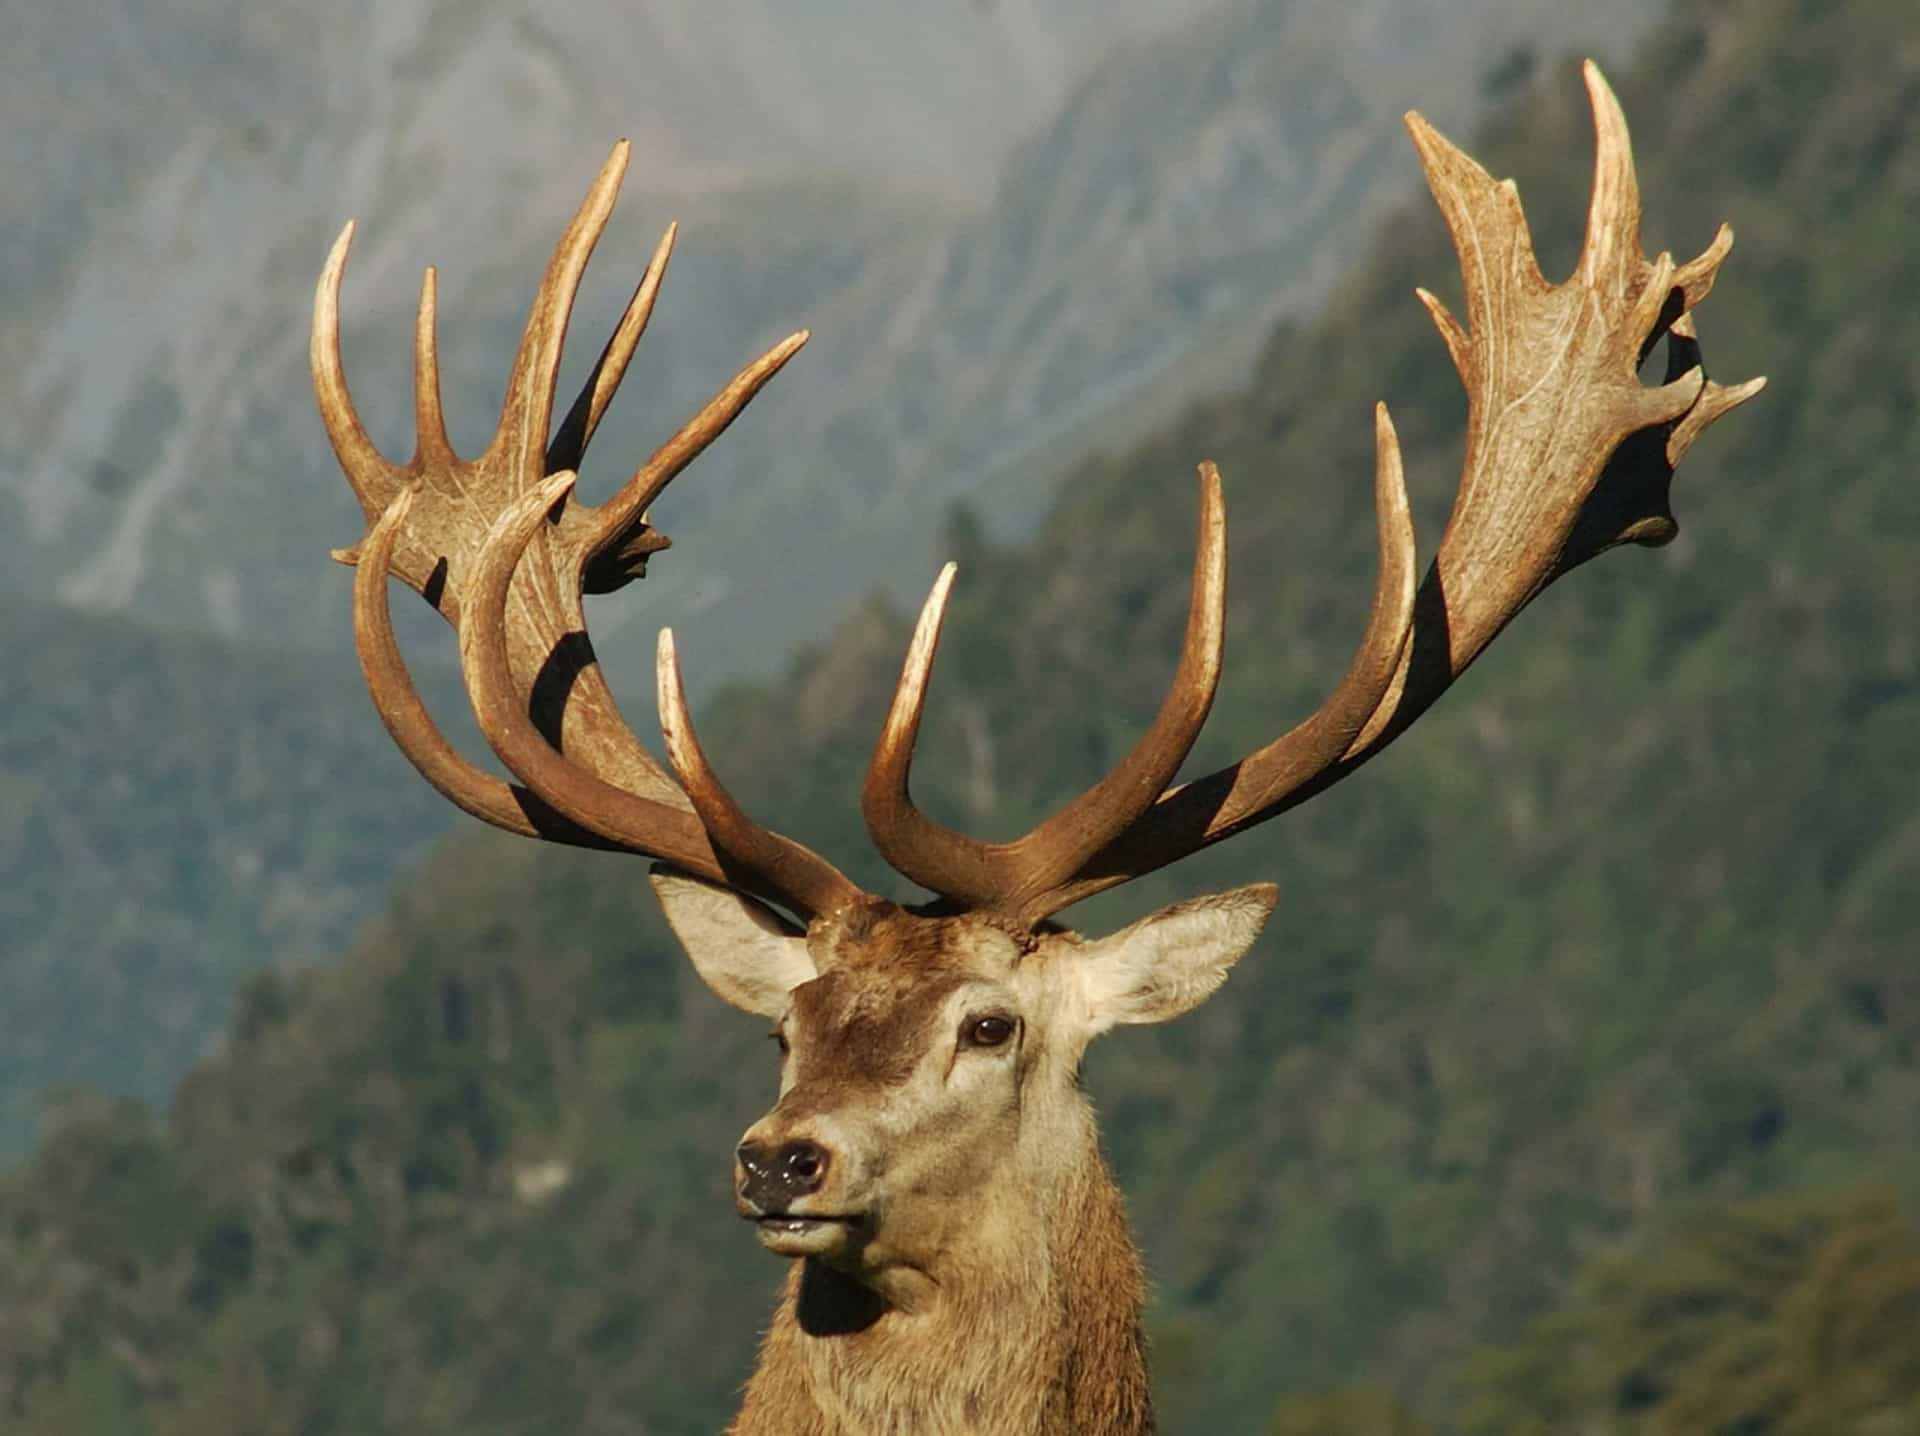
(992, 1030)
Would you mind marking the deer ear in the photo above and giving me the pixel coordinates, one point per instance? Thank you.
(745, 951)
(1173, 960)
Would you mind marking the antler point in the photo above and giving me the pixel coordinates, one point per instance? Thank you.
(556, 486)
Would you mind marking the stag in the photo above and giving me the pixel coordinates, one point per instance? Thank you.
(961, 1257)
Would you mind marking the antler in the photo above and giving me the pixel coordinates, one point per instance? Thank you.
(1567, 455)
(503, 550)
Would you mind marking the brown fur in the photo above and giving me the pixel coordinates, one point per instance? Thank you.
(1034, 1324)
(1049, 1344)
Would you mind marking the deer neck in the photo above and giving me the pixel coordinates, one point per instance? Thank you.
(1032, 1330)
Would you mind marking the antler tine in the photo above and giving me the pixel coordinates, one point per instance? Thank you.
(1287, 770)
(609, 555)
(1610, 259)
(373, 479)
(1267, 778)
(527, 412)
(753, 855)
(1083, 827)
(431, 446)
(1017, 878)
(933, 855)
(1716, 399)
(909, 840)
(576, 431)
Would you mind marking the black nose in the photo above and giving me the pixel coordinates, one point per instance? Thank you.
(772, 1176)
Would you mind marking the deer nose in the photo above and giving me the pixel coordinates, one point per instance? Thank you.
(772, 1176)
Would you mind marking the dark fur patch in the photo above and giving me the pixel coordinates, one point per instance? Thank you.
(858, 1028)
(829, 1304)
(868, 1019)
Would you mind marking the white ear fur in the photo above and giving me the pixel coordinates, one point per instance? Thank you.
(1171, 961)
(745, 951)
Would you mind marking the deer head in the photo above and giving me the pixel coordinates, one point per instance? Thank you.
(927, 1061)
(931, 1157)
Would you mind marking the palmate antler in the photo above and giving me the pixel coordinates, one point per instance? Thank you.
(1568, 454)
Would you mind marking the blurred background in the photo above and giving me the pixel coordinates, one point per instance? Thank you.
(1576, 1085)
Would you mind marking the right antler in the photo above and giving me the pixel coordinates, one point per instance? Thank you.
(503, 550)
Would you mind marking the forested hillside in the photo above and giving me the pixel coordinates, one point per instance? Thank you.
(1574, 1087)
(174, 813)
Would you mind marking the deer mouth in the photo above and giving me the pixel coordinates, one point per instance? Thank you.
(804, 1234)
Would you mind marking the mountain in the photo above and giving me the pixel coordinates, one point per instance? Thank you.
(161, 453)
(161, 466)
(162, 239)
(1606, 969)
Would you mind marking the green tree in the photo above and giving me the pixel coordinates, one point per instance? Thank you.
(1792, 1316)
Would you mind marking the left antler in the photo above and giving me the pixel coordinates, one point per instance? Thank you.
(1568, 454)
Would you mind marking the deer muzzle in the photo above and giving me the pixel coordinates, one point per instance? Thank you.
(779, 1185)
